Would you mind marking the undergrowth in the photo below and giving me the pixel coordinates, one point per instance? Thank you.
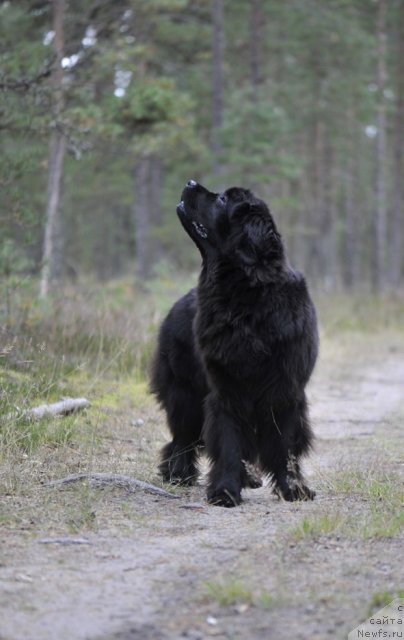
(97, 341)
(235, 592)
(81, 343)
(372, 507)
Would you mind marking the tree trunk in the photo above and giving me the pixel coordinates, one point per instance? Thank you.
(217, 84)
(348, 268)
(397, 221)
(147, 215)
(316, 266)
(155, 182)
(327, 238)
(142, 219)
(155, 187)
(51, 259)
(380, 213)
(256, 20)
(349, 232)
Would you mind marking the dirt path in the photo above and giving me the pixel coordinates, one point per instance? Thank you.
(158, 569)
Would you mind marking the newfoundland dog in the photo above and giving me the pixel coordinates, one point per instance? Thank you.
(234, 355)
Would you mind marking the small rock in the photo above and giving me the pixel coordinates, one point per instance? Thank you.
(137, 423)
(211, 620)
(242, 608)
(195, 634)
(22, 577)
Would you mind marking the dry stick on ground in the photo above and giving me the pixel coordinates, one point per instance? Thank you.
(65, 540)
(64, 407)
(115, 479)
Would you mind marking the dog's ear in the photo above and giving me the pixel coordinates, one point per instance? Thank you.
(260, 247)
(241, 211)
(260, 239)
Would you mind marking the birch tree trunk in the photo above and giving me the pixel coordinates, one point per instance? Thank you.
(51, 256)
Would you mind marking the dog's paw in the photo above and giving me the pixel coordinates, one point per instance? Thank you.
(293, 493)
(223, 497)
(185, 477)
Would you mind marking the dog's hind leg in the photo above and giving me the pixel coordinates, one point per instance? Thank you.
(252, 477)
(283, 438)
(185, 419)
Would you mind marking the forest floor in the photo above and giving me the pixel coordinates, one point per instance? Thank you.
(84, 563)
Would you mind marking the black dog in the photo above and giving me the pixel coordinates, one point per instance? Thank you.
(235, 354)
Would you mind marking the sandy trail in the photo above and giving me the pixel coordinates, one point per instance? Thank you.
(150, 570)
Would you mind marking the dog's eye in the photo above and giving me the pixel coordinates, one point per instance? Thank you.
(222, 199)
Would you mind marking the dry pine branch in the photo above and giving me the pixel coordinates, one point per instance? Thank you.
(114, 479)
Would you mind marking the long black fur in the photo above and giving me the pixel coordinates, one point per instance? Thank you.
(234, 355)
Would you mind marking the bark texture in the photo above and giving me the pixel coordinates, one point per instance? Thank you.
(52, 245)
(380, 214)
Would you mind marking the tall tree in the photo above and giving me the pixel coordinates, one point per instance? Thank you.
(349, 228)
(396, 231)
(297, 118)
(51, 260)
(255, 41)
(147, 214)
(142, 218)
(217, 85)
(380, 211)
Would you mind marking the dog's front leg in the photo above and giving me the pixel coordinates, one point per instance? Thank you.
(226, 448)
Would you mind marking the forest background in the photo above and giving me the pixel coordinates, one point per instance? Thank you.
(109, 107)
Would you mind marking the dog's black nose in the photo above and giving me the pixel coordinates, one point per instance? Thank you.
(191, 183)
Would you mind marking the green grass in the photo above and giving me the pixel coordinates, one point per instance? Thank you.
(93, 343)
(318, 525)
(359, 312)
(41, 380)
(231, 592)
(372, 507)
(370, 484)
(29, 436)
(381, 599)
(81, 515)
(383, 495)
(381, 522)
(96, 341)
(376, 523)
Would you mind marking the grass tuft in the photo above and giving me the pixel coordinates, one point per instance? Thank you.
(372, 506)
(381, 599)
(318, 525)
(229, 592)
(232, 592)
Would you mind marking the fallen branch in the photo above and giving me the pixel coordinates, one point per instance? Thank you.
(64, 541)
(114, 479)
(64, 407)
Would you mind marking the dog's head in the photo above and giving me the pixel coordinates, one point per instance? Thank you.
(234, 224)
